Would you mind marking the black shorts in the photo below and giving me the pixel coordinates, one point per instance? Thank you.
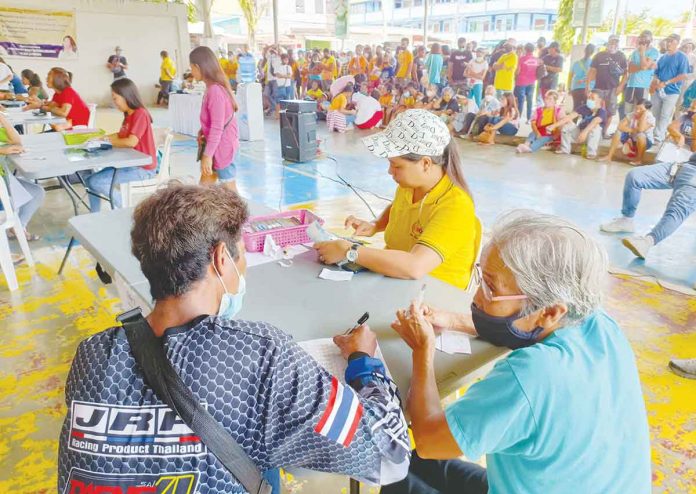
(609, 97)
(633, 94)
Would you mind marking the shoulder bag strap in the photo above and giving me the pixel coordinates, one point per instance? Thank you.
(162, 378)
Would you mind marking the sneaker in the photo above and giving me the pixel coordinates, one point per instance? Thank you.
(622, 224)
(683, 367)
(640, 246)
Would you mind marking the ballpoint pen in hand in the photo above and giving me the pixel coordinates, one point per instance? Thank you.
(363, 319)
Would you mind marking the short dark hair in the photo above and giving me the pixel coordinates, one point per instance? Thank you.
(645, 102)
(164, 53)
(598, 92)
(349, 87)
(176, 229)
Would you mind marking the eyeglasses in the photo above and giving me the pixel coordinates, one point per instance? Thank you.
(488, 295)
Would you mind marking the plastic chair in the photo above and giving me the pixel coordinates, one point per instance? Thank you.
(92, 115)
(130, 190)
(479, 247)
(8, 219)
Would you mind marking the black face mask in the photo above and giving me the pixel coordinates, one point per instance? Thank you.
(500, 331)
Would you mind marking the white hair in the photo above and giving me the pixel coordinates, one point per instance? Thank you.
(553, 261)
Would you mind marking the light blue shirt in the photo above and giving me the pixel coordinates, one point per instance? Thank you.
(642, 78)
(434, 63)
(580, 69)
(561, 416)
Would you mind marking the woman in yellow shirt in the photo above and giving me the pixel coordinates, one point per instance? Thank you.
(339, 116)
(431, 225)
(167, 73)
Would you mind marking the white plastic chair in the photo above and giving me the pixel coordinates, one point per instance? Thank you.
(479, 246)
(92, 117)
(130, 190)
(8, 219)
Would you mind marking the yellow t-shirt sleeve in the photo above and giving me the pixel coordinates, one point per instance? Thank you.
(451, 228)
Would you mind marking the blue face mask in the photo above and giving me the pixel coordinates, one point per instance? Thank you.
(590, 104)
(501, 331)
(231, 303)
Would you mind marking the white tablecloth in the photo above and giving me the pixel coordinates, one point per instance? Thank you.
(184, 113)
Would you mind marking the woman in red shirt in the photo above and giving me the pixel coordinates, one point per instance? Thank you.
(135, 133)
(65, 103)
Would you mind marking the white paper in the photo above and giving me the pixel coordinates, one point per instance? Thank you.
(453, 342)
(317, 233)
(328, 274)
(288, 252)
(270, 247)
(328, 355)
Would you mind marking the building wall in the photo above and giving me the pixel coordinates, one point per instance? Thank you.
(480, 20)
(141, 29)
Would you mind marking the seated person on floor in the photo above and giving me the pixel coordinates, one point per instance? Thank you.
(386, 101)
(428, 99)
(407, 99)
(446, 107)
(461, 123)
(683, 129)
(339, 117)
(65, 102)
(431, 226)
(368, 110)
(508, 122)
(135, 133)
(544, 116)
(583, 125)
(265, 390)
(27, 196)
(634, 131)
(490, 108)
(563, 412)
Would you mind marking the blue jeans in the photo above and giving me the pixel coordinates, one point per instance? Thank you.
(506, 130)
(680, 205)
(536, 143)
(27, 210)
(522, 94)
(100, 183)
(283, 93)
(476, 92)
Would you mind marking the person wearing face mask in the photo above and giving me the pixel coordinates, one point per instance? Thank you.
(505, 69)
(490, 108)
(563, 412)
(476, 72)
(270, 395)
(583, 125)
(431, 226)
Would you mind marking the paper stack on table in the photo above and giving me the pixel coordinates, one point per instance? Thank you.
(329, 274)
(328, 355)
(453, 342)
(272, 252)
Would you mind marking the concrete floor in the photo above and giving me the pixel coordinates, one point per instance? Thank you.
(43, 321)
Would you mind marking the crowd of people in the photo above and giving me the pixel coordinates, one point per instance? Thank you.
(539, 279)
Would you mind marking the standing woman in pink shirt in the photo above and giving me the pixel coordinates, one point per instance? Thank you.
(218, 139)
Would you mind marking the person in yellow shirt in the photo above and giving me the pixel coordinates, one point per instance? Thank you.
(505, 70)
(405, 64)
(231, 70)
(339, 116)
(329, 69)
(315, 91)
(358, 64)
(431, 225)
(167, 74)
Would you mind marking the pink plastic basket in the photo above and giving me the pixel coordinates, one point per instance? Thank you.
(292, 235)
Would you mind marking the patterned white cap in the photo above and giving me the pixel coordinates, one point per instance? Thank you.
(412, 131)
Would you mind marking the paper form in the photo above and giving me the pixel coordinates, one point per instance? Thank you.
(328, 355)
(453, 342)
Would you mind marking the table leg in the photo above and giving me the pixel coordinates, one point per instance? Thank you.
(354, 486)
(111, 190)
(67, 253)
(72, 193)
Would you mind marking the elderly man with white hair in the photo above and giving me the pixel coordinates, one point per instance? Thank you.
(564, 411)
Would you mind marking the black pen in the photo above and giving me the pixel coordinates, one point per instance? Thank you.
(363, 319)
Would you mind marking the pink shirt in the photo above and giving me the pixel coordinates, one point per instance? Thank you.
(528, 65)
(216, 111)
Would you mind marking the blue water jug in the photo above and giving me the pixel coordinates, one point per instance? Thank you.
(247, 68)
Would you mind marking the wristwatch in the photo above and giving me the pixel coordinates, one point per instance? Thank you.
(352, 254)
